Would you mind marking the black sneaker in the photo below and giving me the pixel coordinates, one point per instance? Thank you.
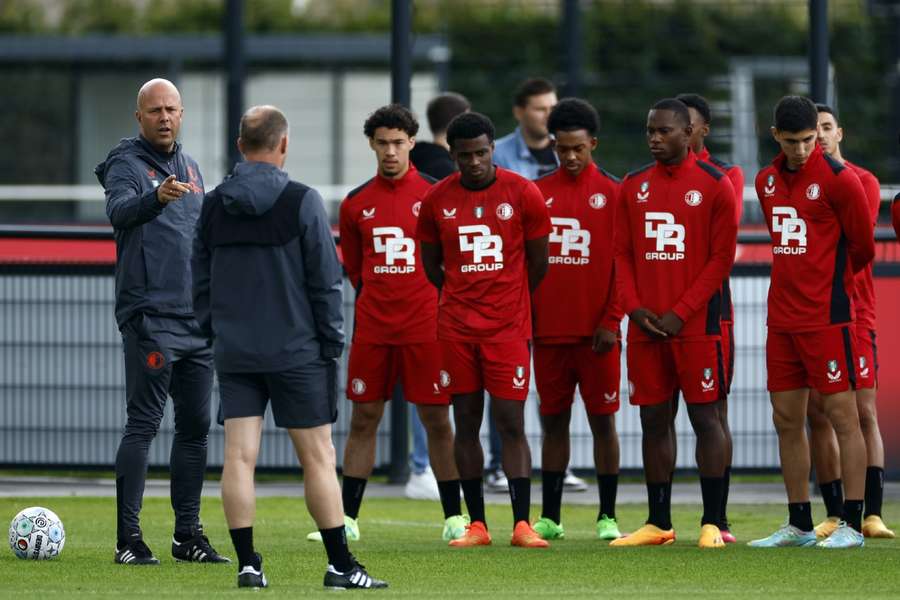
(197, 549)
(354, 579)
(250, 577)
(135, 552)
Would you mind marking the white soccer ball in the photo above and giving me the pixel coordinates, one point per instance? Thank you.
(36, 533)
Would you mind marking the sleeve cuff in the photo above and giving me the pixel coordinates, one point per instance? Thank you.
(682, 311)
(332, 350)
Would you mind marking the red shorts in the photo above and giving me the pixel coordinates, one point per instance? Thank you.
(373, 371)
(728, 353)
(867, 359)
(559, 368)
(824, 360)
(656, 370)
(502, 368)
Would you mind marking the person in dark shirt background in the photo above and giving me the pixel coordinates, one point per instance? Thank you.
(433, 158)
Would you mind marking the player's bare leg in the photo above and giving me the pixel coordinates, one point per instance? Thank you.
(509, 416)
(873, 526)
(711, 461)
(468, 412)
(242, 438)
(320, 485)
(789, 417)
(554, 462)
(844, 416)
(659, 462)
(729, 456)
(436, 420)
(606, 464)
(825, 455)
(359, 453)
(322, 493)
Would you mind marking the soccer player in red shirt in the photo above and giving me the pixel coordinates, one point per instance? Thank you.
(484, 246)
(821, 228)
(395, 329)
(674, 247)
(823, 442)
(701, 116)
(576, 317)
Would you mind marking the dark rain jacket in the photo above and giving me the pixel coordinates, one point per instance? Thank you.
(267, 281)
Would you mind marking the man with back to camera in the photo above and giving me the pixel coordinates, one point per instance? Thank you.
(484, 246)
(153, 197)
(821, 229)
(267, 290)
(701, 117)
(395, 331)
(433, 158)
(674, 248)
(577, 317)
(822, 441)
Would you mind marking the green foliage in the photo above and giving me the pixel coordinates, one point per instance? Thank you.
(21, 17)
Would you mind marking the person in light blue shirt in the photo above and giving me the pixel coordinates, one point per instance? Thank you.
(528, 149)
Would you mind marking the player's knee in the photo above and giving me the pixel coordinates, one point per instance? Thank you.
(787, 424)
(555, 425)
(363, 422)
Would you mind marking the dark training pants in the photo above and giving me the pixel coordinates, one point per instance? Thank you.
(164, 357)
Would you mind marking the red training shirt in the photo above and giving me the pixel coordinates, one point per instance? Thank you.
(482, 234)
(736, 176)
(675, 244)
(578, 293)
(395, 303)
(864, 285)
(821, 232)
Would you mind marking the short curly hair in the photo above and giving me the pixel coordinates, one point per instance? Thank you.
(392, 116)
(573, 114)
(469, 126)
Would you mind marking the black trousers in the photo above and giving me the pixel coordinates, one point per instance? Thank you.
(164, 357)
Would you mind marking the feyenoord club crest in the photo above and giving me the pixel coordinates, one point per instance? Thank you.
(416, 208)
(813, 191)
(445, 379)
(479, 212)
(693, 198)
(505, 212)
(358, 386)
(597, 201)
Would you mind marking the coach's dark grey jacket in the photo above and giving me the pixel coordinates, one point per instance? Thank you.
(267, 281)
(153, 240)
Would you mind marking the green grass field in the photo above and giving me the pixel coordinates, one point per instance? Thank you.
(401, 543)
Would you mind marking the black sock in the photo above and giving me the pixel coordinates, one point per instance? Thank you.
(335, 540)
(242, 538)
(874, 490)
(520, 496)
(352, 491)
(723, 512)
(473, 490)
(183, 536)
(712, 488)
(552, 486)
(659, 499)
(853, 510)
(449, 491)
(800, 515)
(833, 496)
(608, 487)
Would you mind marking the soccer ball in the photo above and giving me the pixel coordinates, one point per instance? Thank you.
(36, 533)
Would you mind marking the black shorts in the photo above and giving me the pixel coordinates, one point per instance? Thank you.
(302, 397)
